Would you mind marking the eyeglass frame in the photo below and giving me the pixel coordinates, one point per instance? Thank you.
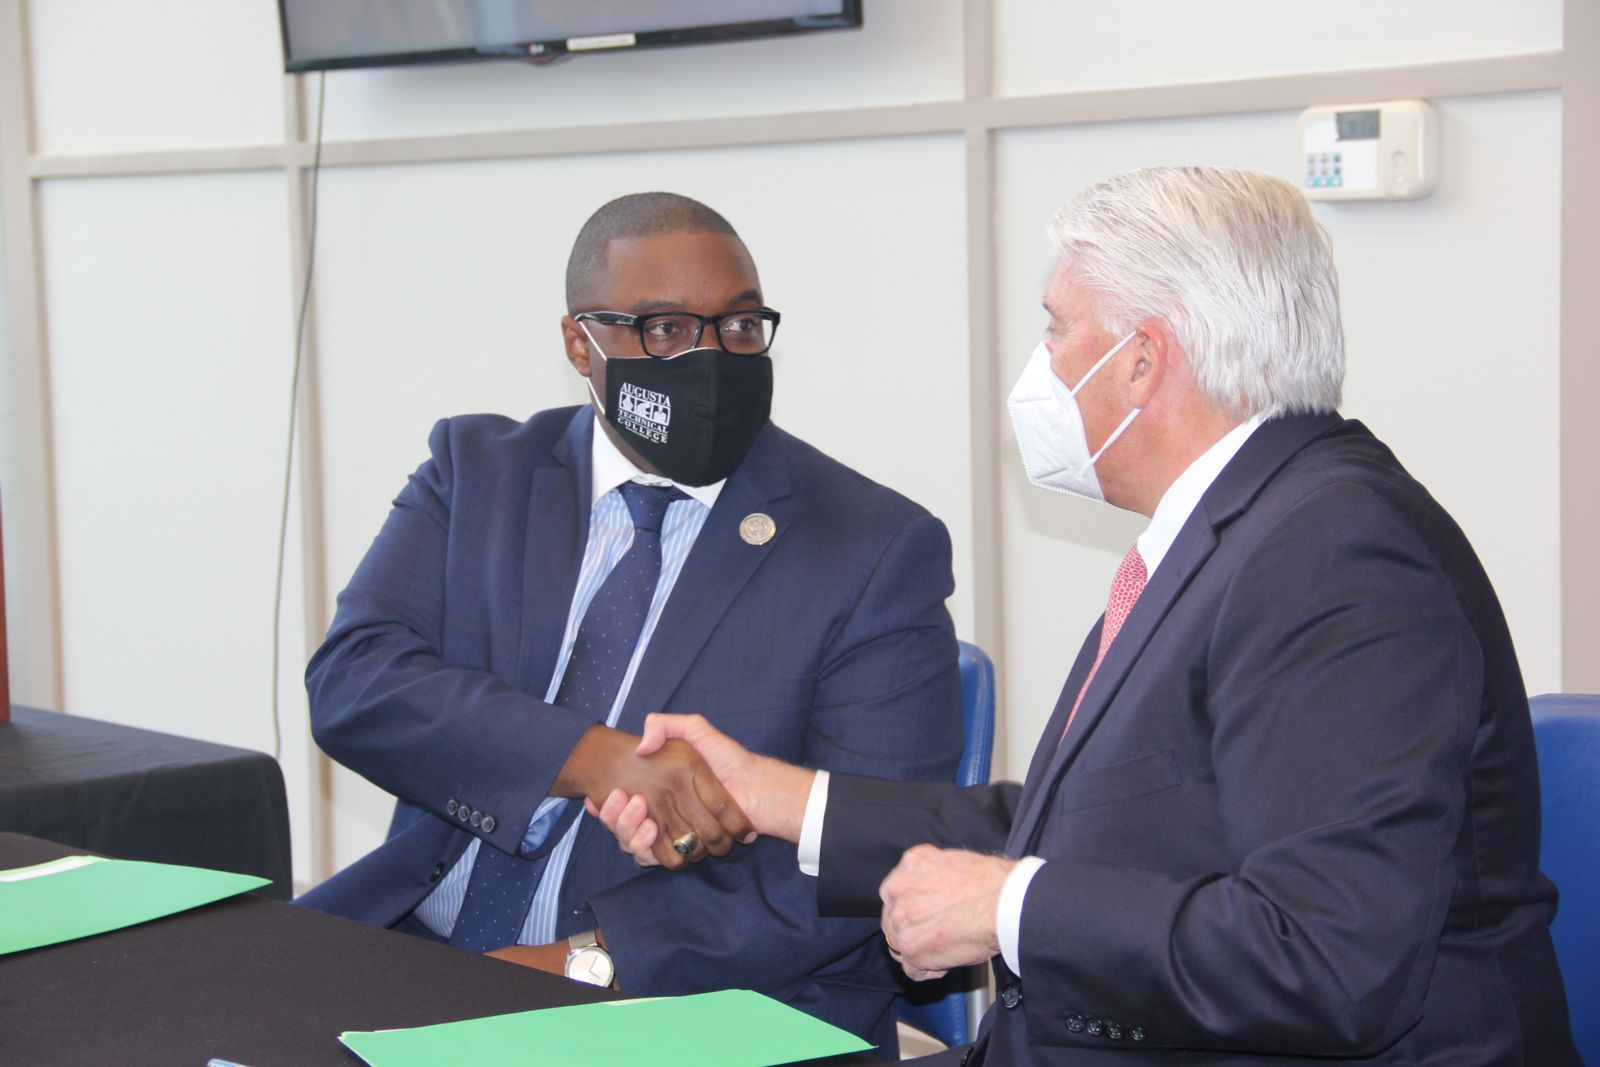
(621, 318)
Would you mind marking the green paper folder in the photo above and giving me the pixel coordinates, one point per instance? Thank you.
(731, 1028)
(81, 896)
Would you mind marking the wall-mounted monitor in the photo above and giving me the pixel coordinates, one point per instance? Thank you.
(335, 34)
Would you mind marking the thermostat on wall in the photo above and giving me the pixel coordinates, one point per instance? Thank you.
(1384, 151)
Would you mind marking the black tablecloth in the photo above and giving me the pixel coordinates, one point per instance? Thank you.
(248, 979)
(141, 795)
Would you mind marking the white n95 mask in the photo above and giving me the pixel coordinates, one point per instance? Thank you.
(1049, 427)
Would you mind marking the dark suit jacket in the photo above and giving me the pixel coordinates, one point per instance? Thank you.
(1298, 813)
(829, 646)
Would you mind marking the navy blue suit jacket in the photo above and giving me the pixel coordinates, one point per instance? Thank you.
(1297, 815)
(829, 646)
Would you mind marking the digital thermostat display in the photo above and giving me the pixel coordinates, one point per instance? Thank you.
(1357, 125)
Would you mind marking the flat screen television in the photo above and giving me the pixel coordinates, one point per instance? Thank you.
(336, 34)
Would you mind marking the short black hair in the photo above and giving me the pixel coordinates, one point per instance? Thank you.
(634, 215)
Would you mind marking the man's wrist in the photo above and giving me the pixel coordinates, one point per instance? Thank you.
(574, 777)
(783, 807)
(1008, 912)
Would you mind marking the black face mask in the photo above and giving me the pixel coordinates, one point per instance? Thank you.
(692, 417)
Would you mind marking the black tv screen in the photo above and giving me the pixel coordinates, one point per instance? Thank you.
(335, 34)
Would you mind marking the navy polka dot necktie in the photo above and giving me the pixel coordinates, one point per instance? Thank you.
(502, 886)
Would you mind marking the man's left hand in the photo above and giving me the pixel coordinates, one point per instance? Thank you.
(939, 909)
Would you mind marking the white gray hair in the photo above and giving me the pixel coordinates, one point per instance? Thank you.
(1233, 262)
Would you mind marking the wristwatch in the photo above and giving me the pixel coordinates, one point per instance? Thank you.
(588, 961)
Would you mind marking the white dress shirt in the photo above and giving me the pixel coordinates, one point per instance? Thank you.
(1172, 512)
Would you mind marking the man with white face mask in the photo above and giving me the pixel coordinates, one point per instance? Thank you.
(1286, 808)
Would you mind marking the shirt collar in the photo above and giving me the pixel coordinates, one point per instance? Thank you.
(610, 468)
(1183, 495)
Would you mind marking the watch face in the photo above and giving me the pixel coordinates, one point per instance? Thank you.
(592, 965)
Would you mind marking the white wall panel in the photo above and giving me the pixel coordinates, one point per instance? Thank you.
(1061, 45)
(155, 74)
(16, 557)
(10, 477)
(169, 316)
(1450, 317)
(440, 292)
(906, 51)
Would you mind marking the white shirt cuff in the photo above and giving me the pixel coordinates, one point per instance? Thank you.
(1008, 916)
(810, 845)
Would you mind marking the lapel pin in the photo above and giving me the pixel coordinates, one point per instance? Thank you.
(757, 529)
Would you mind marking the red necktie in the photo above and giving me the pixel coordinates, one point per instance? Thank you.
(1125, 590)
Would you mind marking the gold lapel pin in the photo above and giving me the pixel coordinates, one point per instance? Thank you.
(757, 529)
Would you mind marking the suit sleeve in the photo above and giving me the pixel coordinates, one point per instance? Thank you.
(1343, 687)
(870, 823)
(388, 705)
(887, 704)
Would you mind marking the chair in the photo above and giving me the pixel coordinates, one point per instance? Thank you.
(1566, 732)
(950, 1007)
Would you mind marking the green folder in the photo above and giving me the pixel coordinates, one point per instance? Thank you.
(81, 896)
(730, 1028)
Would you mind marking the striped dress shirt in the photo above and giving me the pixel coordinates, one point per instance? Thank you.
(610, 536)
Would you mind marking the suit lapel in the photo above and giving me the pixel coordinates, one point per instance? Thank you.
(557, 531)
(1050, 740)
(718, 567)
(1267, 450)
(1193, 546)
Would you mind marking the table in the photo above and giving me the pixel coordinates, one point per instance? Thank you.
(141, 795)
(249, 979)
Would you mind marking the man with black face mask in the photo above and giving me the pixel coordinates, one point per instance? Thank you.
(540, 587)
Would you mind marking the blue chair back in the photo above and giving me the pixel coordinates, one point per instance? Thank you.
(977, 715)
(949, 1008)
(1566, 731)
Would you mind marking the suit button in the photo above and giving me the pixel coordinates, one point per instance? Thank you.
(1136, 1032)
(477, 817)
(463, 813)
(450, 808)
(1094, 1028)
(438, 872)
(1011, 996)
(1113, 1031)
(1074, 1022)
(488, 824)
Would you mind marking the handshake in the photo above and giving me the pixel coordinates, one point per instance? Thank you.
(694, 793)
(939, 905)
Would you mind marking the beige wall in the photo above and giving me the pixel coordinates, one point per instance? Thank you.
(10, 461)
(893, 184)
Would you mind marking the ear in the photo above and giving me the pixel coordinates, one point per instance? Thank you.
(576, 342)
(1153, 350)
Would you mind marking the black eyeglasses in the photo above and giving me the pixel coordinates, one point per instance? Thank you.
(743, 333)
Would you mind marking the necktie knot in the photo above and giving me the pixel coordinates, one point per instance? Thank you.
(647, 504)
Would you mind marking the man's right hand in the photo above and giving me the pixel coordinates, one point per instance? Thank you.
(772, 793)
(670, 778)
